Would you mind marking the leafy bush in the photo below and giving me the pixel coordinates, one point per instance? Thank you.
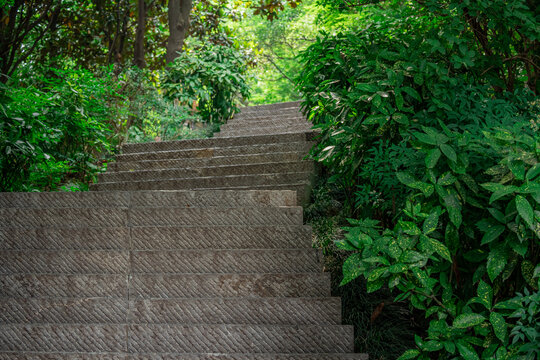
(210, 78)
(53, 129)
(433, 136)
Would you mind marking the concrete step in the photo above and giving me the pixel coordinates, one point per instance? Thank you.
(63, 311)
(24, 286)
(269, 130)
(226, 261)
(276, 106)
(213, 171)
(172, 356)
(273, 157)
(221, 237)
(266, 128)
(149, 216)
(225, 182)
(177, 338)
(229, 285)
(262, 120)
(185, 198)
(213, 143)
(302, 188)
(206, 153)
(241, 338)
(263, 311)
(157, 238)
(63, 262)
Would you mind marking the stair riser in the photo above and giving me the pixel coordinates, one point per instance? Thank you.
(256, 131)
(156, 238)
(38, 218)
(206, 162)
(270, 311)
(212, 143)
(230, 285)
(146, 198)
(263, 121)
(276, 106)
(183, 262)
(208, 153)
(248, 169)
(212, 356)
(177, 339)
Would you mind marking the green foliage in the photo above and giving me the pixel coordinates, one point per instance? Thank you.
(431, 128)
(52, 129)
(213, 77)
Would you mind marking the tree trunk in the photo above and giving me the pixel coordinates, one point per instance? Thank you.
(179, 11)
(138, 51)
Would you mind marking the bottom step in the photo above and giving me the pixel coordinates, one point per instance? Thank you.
(81, 356)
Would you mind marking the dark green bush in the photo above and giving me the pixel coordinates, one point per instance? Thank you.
(432, 135)
(212, 77)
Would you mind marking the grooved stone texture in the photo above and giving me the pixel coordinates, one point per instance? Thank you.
(208, 260)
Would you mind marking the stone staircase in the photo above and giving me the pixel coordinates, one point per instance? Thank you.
(223, 272)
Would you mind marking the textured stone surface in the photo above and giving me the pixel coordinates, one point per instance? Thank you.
(224, 273)
(62, 286)
(58, 311)
(240, 338)
(226, 261)
(213, 142)
(214, 171)
(169, 356)
(268, 311)
(206, 153)
(289, 156)
(230, 285)
(251, 182)
(63, 262)
(221, 237)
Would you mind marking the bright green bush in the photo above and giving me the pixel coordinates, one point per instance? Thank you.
(55, 129)
(211, 76)
(433, 137)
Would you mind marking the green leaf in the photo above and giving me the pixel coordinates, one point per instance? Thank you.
(376, 274)
(410, 181)
(525, 210)
(466, 350)
(533, 172)
(411, 92)
(440, 249)
(431, 222)
(492, 233)
(499, 325)
(449, 152)
(425, 138)
(453, 206)
(446, 179)
(432, 158)
(409, 227)
(464, 321)
(496, 262)
(485, 293)
(352, 268)
(409, 354)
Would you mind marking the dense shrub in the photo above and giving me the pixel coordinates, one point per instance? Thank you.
(54, 129)
(432, 134)
(210, 78)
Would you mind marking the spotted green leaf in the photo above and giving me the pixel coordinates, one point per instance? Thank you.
(525, 210)
(464, 321)
(499, 325)
(432, 158)
(485, 294)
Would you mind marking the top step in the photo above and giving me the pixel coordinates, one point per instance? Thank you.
(217, 142)
(276, 107)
